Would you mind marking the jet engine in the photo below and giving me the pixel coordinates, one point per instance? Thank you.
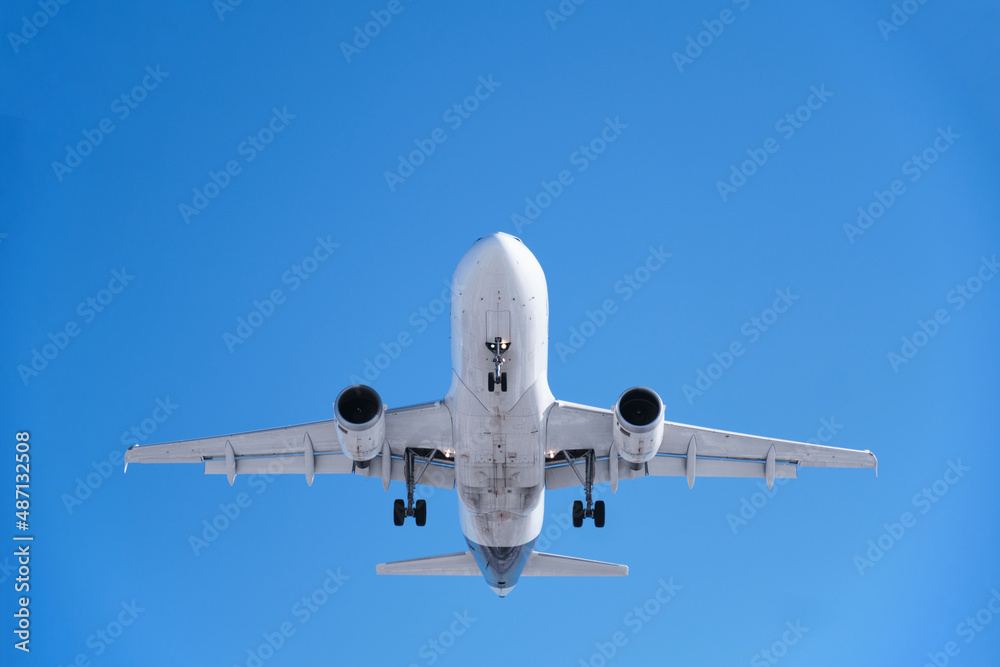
(638, 427)
(360, 423)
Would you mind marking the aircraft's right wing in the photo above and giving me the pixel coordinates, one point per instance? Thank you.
(685, 451)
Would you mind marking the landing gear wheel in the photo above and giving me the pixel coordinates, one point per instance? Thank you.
(491, 382)
(398, 512)
(577, 513)
(599, 514)
(503, 382)
(420, 512)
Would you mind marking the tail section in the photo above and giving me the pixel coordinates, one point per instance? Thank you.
(539, 565)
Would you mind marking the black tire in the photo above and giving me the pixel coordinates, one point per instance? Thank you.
(503, 382)
(491, 383)
(420, 512)
(398, 512)
(599, 514)
(577, 513)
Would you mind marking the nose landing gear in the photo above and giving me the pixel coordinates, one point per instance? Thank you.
(498, 347)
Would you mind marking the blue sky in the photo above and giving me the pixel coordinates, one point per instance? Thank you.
(281, 140)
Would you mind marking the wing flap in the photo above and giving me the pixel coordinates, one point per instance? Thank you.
(282, 465)
(561, 476)
(440, 476)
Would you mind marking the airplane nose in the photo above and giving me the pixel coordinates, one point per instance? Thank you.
(500, 237)
(498, 248)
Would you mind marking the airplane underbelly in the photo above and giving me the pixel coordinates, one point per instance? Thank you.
(499, 393)
(499, 476)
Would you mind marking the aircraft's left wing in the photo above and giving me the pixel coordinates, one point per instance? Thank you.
(685, 451)
(313, 449)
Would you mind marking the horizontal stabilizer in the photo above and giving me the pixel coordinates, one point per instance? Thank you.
(539, 564)
(551, 565)
(453, 565)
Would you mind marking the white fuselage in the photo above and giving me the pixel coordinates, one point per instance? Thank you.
(499, 290)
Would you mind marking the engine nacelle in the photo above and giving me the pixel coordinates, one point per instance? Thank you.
(360, 423)
(638, 427)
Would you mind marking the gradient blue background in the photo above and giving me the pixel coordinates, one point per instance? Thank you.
(162, 337)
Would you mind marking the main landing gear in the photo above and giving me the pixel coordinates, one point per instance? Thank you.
(592, 510)
(497, 347)
(418, 509)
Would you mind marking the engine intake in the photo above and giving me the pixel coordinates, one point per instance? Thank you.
(638, 427)
(360, 423)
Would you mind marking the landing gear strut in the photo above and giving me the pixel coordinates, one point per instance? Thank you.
(498, 347)
(418, 509)
(592, 510)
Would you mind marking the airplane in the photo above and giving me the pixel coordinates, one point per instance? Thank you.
(499, 437)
